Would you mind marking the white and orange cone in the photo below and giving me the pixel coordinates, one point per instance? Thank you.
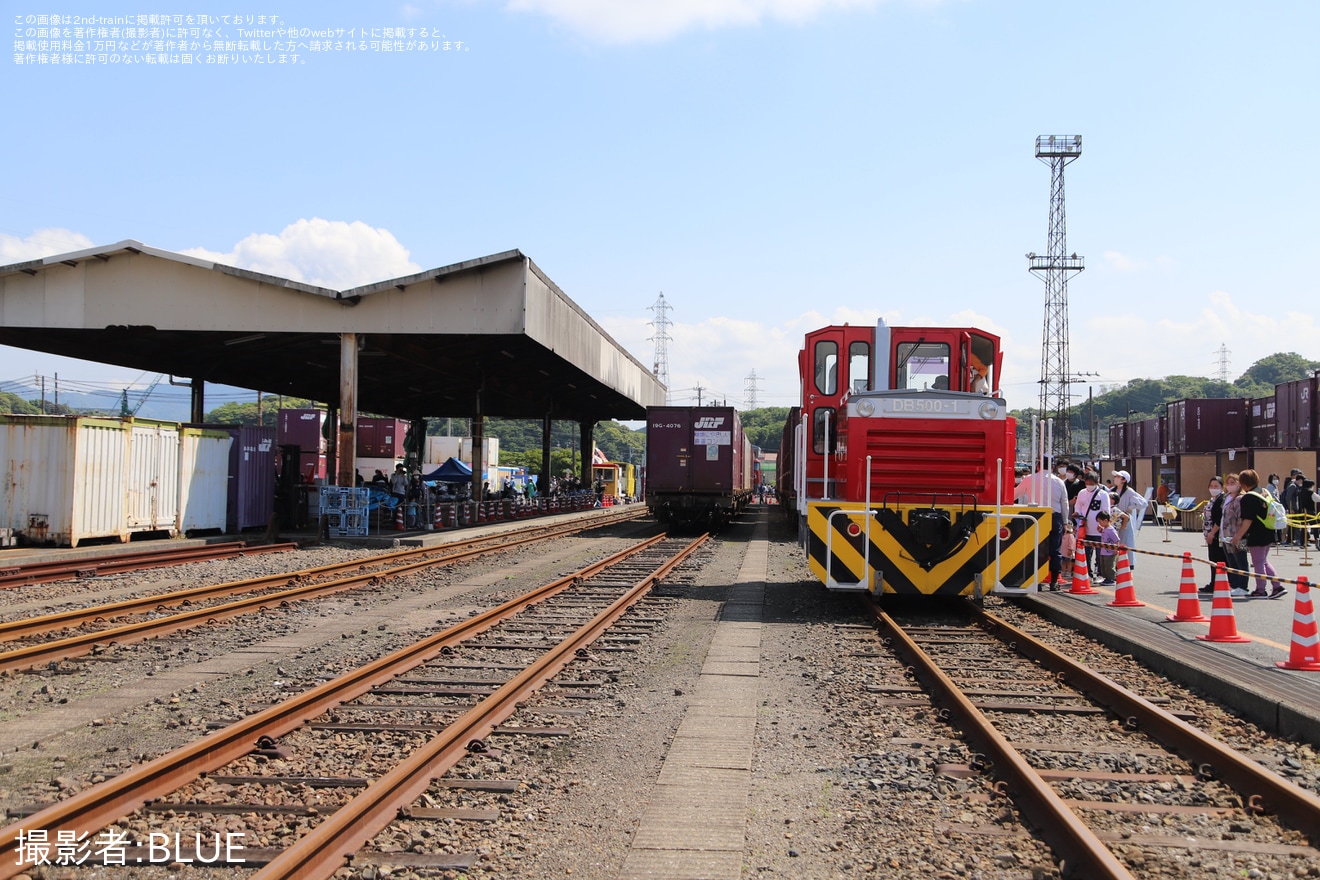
(1305, 652)
(1081, 584)
(1223, 625)
(1125, 595)
(1189, 600)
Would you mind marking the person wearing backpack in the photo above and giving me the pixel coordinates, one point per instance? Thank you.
(1257, 531)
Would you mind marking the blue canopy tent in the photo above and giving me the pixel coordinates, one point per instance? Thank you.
(452, 471)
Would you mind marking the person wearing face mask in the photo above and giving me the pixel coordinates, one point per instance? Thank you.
(1214, 514)
(1091, 501)
(1235, 556)
(1133, 504)
(1072, 481)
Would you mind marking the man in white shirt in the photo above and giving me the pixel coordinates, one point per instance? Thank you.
(1044, 489)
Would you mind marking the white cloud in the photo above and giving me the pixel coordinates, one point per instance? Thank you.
(612, 21)
(1133, 346)
(1121, 262)
(42, 243)
(326, 253)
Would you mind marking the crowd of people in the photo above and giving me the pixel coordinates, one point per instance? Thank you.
(1240, 522)
(1241, 525)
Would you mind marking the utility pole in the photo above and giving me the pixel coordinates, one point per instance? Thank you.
(1054, 269)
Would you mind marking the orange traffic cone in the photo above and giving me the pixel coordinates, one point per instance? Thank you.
(398, 517)
(1305, 653)
(1223, 626)
(1081, 584)
(1189, 601)
(1125, 595)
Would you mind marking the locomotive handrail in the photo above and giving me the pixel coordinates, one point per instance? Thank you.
(1035, 548)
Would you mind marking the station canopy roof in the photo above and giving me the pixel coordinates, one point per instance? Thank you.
(427, 342)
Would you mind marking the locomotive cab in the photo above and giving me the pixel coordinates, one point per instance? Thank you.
(903, 464)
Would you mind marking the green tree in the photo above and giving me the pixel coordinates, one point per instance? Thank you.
(764, 427)
(12, 403)
(1275, 370)
(246, 413)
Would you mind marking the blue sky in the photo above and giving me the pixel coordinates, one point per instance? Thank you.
(770, 165)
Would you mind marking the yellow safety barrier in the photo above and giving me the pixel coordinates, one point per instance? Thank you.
(1271, 578)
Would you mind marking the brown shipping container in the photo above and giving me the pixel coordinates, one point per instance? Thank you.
(1207, 424)
(1232, 461)
(696, 450)
(1295, 414)
(1282, 461)
(381, 438)
(1150, 438)
(1118, 440)
(302, 428)
(1261, 423)
(1194, 473)
(1143, 474)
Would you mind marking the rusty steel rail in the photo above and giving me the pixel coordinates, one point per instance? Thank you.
(117, 563)
(42, 653)
(1077, 845)
(1261, 789)
(47, 623)
(91, 810)
(326, 848)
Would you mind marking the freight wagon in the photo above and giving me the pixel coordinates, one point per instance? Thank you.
(698, 465)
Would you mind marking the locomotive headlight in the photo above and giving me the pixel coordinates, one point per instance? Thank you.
(989, 410)
(865, 408)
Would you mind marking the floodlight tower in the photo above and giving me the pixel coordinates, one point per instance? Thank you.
(1054, 269)
(661, 339)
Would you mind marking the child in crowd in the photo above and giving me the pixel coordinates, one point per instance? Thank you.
(1068, 549)
(1109, 548)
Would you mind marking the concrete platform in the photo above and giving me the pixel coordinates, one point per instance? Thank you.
(1243, 676)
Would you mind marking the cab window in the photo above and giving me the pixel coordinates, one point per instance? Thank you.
(859, 366)
(827, 367)
(922, 365)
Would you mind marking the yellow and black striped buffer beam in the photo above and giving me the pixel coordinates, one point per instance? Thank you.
(927, 550)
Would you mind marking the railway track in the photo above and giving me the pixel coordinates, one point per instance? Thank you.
(44, 639)
(426, 707)
(993, 681)
(20, 574)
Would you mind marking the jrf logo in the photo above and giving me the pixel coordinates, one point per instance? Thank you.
(706, 423)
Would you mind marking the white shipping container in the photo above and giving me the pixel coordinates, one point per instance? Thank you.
(441, 449)
(203, 479)
(63, 479)
(153, 477)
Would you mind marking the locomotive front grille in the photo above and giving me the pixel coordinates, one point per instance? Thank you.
(947, 461)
